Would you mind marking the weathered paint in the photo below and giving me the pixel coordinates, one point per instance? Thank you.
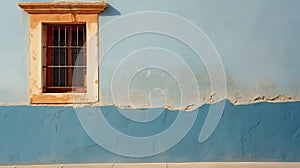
(256, 132)
(257, 41)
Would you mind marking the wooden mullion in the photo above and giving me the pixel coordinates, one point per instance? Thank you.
(44, 57)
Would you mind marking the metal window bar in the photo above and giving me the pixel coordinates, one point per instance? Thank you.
(58, 36)
(66, 87)
(64, 66)
(65, 56)
(65, 47)
(62, 78)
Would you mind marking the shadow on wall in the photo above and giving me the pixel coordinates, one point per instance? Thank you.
(110, 11)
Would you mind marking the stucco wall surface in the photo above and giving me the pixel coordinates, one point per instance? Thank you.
(46, 135)
(256, 42)
(168, 55)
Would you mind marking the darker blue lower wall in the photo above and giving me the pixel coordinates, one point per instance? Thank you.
(253, 132)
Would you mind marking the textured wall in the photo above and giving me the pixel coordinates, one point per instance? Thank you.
(256, 132)
(256, 40)
(257, 43)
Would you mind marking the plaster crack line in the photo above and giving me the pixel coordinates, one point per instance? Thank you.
(296, 135)
(247, 136)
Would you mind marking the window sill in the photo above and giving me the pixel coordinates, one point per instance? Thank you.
(60, 98)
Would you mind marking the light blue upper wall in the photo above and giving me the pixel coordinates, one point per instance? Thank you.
(257, 41)
(258, 38)
(14, 54)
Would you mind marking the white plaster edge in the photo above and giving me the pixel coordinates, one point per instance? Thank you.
(190, 107)
(169, 165)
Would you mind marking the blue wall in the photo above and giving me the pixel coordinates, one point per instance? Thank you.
(256, 132)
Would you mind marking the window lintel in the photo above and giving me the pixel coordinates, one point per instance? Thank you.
(63, 7)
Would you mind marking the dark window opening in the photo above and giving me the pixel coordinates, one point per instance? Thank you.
(64, 52)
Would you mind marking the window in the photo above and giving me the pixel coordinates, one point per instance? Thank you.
(63, 51)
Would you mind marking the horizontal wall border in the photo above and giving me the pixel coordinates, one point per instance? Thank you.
(169, 165)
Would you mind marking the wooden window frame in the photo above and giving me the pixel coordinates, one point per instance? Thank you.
(48, 66)
(63, 13)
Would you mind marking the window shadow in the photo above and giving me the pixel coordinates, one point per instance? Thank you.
(110, 11)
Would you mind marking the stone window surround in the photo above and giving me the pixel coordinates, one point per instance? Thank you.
(63, 12)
